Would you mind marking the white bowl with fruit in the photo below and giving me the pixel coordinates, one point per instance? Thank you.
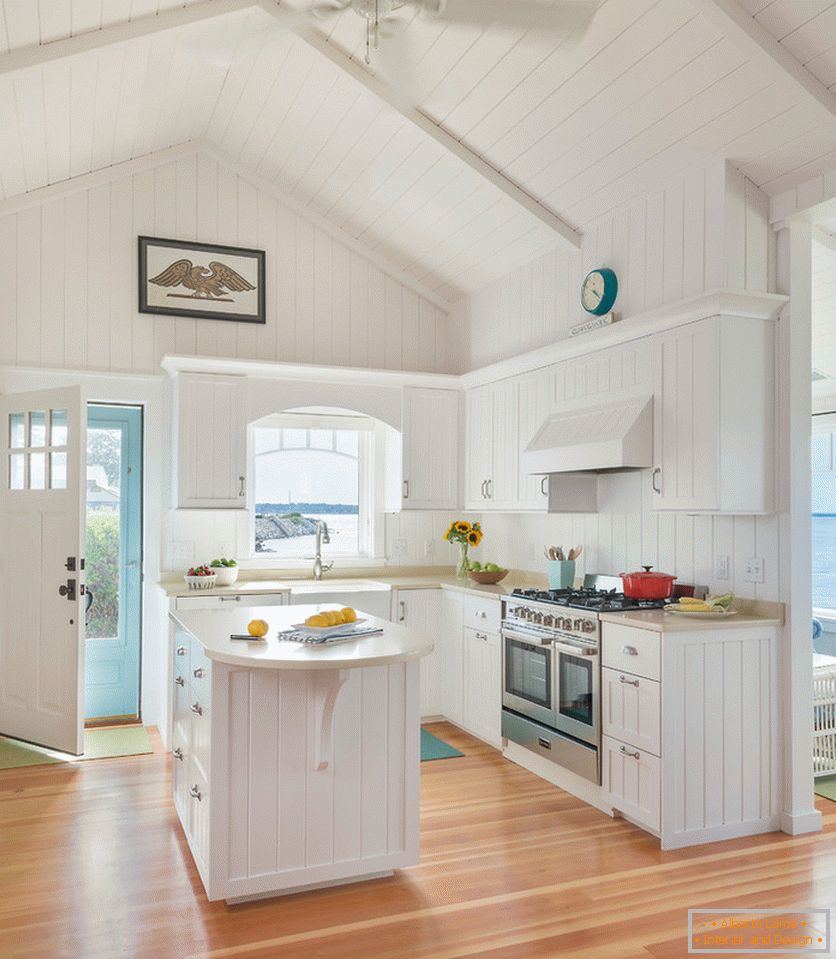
(200, 577)
(225, 570)
(488, 574)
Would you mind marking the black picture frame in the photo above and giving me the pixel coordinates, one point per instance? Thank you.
(199, 258)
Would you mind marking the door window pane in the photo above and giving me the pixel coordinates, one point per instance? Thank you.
(58, 471)
(16, 473)
(37, 471)
(17, 430)
(104, 529)
(58, 422)
(37, 428)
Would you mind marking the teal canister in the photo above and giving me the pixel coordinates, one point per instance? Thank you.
(561, 573)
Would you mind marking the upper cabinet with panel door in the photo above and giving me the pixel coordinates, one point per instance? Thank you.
(714, 417)
(430, 451)
(492, 446)
(210, 465)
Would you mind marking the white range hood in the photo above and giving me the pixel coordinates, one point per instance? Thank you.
(616, 435)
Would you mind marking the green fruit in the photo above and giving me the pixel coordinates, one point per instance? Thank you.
(491, 568)
(476, 566)
(232, 563)
(216, 563)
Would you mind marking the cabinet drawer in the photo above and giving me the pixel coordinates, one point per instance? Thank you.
(482, 614)
(200, 733)
(630, 709)
(200, 671)
(632, 781)
(210, 600)
(631, 650)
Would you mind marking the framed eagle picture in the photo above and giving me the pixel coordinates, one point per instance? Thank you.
(202, 280)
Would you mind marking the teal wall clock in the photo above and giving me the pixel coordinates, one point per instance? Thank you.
(598, 291)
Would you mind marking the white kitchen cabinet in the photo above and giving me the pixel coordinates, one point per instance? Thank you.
(430, 450)
(211, 442)
(492, 428)
(482, 675)
(714, 417)
(421, 609)
(691, 736)
(536, 402)
(451, 660)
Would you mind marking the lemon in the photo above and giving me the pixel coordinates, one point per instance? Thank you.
(317, 620)
(349, 615)
(257, 627)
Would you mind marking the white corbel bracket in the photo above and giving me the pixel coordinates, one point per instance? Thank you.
(326, 687)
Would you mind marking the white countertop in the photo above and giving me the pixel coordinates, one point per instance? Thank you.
(661, 622)
(212, 629)
(442, 580)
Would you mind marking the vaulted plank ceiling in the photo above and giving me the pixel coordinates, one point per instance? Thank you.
(572, 125)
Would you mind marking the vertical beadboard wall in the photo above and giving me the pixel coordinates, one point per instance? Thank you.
(68, 272)
(702, 231)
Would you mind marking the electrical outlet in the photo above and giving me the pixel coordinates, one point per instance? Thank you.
(400, 547)
(429, 548)
(754, 569)
(721, 567)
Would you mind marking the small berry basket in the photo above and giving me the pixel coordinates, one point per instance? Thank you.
(200, 577)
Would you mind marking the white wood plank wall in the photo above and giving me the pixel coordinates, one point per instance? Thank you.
(702, 231)
(69, 266)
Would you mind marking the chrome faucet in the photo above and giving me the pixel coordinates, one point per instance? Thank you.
(322, 536)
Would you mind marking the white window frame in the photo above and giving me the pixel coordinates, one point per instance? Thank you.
(825, 423)
(371, 530)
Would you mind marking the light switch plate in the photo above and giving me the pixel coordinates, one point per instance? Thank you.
(721, 567)
(754, 569)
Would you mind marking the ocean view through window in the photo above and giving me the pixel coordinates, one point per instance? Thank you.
(824, 520)
(312, 470)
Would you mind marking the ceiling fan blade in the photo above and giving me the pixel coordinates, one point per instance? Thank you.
(326, 9)
(565, 16)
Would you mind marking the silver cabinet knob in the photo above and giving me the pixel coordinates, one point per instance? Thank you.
(628, 682)
(625, 751)
(629, 651)
(179, 681)
(197, 672)
(181, 650)
(177, 753)
(196, 708)
(194, 792)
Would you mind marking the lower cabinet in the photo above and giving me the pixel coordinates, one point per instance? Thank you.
(461, 679)
(690, 730)
(482, 699)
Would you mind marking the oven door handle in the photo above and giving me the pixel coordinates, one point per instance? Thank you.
(575, 650)
(526, 638)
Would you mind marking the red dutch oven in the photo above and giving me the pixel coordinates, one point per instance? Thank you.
(647, 585)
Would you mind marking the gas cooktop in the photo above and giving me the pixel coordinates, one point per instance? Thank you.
(595, 600)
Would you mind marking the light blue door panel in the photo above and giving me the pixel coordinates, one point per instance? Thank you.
(114, 561)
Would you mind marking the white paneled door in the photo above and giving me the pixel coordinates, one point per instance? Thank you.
(41, 567)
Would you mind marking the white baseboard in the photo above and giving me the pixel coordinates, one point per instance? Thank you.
(795, 824)
(699, 837)
(570, 782)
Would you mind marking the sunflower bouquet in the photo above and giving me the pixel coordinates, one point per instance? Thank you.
(466, 535)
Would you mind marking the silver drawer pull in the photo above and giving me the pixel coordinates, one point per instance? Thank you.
(482, 636)
(179, 681)
(626, 752)
(194, 792)
(629, 651)
(196, 708)
(230, 599)
(197, 672)
(181, 650)
(628, 682)
(177, 753)
(482, 614)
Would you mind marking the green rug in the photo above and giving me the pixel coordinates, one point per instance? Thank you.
(104, 743)
(434, 748)
(826, 787)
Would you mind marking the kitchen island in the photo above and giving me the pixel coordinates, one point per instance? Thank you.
(294, 766)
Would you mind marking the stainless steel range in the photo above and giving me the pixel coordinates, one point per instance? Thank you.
(551, 666)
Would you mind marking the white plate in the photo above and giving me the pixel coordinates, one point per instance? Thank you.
(321, 630)
(696, 614)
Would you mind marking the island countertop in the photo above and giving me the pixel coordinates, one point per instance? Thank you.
(212, 629)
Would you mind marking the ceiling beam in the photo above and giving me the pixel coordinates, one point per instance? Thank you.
(28, 57)
(762, 49)
(565, 235)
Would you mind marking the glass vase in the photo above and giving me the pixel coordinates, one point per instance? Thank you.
(463, 565)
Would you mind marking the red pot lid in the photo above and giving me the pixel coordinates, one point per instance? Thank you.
(646, 573)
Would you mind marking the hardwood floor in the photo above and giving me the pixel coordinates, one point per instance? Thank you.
(93, 865)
